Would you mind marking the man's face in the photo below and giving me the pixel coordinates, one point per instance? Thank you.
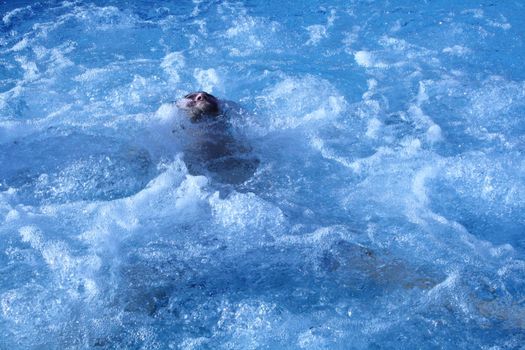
(199, 104)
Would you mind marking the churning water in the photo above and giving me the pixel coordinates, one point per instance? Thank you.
(384, 206)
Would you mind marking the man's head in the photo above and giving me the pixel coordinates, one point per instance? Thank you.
(199, 104)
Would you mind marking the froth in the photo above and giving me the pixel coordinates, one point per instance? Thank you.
(248, 213)
(297, 102)
(172, 63)
(207, 79)
(368, 60)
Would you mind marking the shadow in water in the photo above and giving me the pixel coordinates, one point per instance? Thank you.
(211, 149)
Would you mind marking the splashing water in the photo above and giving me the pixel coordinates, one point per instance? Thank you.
(386, 208)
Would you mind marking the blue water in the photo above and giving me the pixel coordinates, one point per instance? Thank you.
(386, 208)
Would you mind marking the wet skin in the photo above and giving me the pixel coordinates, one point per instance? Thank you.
(199, 104)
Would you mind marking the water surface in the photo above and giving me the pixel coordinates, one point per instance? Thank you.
(386, 208)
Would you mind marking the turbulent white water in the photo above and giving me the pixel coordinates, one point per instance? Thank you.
(377, 199)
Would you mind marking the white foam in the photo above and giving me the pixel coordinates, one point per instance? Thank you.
(30, 68)
(319, 240)
(418, 184)
(246, 213)
(312, 339)
(171, 194)
(350, 38)
(19, 46)
(502, 24)
(251, 323)
(18, 12)
(457, 50)
(9, 94)
(367, 95)
(70, 270)
(372, 130)
(242, 25)
(433, 134)
(317, 32)
(479, 14)
(107, 18)
(137, 87)
(395, 44)
(31, 235)
(296, 102)
(167, 112)
(422, 95)
(363, 164)
(332, 17)
(364, 58)
(247, 34)
(12, 215)
(172, 63)
(201, 23)
(318, 144)
(368, 60)
(207, 79)
(40, 51)
(59, 61)
(476, 13)
(412, 146)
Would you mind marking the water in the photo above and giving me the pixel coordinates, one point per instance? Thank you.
(385, 208)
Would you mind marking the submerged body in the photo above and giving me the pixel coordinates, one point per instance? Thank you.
(211, 148)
